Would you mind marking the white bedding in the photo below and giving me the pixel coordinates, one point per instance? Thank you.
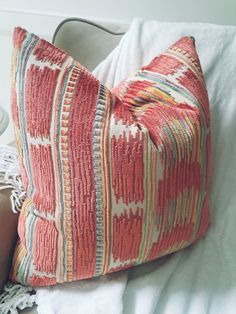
(200, 279)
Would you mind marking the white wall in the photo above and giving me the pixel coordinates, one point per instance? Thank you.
(214, 11)
(42, 17)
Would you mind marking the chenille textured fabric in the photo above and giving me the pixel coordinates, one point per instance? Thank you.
(113, 178)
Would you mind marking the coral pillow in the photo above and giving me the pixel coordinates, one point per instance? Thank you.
(113, 178)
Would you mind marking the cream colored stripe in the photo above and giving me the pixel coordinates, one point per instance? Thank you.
(147, 195)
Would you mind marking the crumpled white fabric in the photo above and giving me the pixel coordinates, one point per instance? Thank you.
(92, 296)
(202, 278)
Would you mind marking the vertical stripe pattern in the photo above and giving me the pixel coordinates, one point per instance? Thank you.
(113, 178)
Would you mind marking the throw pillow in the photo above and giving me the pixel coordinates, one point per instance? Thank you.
(113, 178)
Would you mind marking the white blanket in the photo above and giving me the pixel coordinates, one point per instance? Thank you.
(202, 278)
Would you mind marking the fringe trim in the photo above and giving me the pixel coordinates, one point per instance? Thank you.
(10, 176)
(16, 296)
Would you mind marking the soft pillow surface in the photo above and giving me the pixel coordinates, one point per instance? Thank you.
(113, 178)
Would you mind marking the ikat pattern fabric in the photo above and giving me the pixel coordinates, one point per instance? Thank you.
(113, 178)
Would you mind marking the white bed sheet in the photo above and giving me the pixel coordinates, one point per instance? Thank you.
(202, 278)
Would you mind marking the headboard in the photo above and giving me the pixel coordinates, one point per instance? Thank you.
(81, 38)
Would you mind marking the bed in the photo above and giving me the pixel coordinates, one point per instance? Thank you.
(201, 278)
